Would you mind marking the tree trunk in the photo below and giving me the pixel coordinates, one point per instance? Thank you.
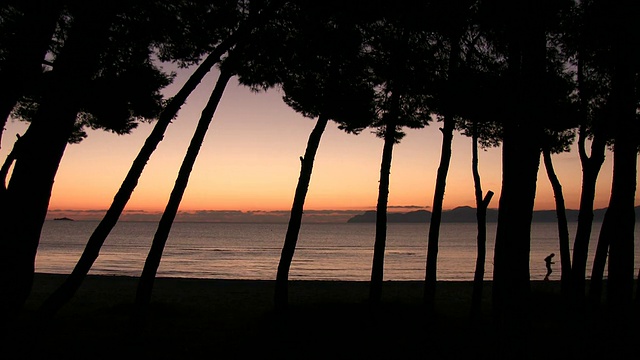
(436, 214)
(590, 169)
(621, 238)
(563, 228)
(25, 52)
(481, 217)
(617, 236)
(513, 235)
(24, 206)
(596, 284)
(145, 285)
(520, 164)
(441, 183)
(92, 250)
(377, 268)
(291, 238)
(591, 166)
(623, 188)
(6, 166)
(620, 215)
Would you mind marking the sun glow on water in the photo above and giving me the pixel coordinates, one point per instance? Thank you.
(252, 251)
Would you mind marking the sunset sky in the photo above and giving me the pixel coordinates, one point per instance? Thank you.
(250, 162)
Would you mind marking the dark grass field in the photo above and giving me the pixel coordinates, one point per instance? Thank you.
(228, 319)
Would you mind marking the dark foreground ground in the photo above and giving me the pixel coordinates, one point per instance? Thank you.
(227, 319)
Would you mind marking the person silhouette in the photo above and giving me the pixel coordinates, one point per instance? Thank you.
(548, 261)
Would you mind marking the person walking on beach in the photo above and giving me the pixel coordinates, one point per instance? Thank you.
(548, 261)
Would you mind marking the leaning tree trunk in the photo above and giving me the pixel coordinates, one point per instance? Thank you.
(25, 53)
(441, 183)
(377, 268)
(24, 205)
(145, 285)
(563, 228)
(291, 238)
(436, 214)
(6, 166)
(92, 250)
(481, 217)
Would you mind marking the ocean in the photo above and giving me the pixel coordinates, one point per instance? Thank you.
(324, 252)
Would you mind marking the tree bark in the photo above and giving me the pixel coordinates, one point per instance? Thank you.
(24, 206)
(145, 285)
(92, 250)
(297, 209)
(563, 228)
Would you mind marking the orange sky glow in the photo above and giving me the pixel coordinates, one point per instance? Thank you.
(250, 161)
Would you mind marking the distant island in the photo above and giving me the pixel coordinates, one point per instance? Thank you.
(465, 214)
(63, 219)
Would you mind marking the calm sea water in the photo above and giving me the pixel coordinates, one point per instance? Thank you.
(252, 251)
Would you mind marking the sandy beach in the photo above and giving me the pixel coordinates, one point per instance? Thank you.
(226, 319)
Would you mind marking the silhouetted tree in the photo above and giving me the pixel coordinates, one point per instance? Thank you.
(457, 15)
(519, 158)
(229, 68)
(474, 91)
(98, 237)
(591, 165)
(619, 221)
(102, 77)
(584, 43)
(481, 74)
(555, 143)
(485, 133)
(79, 71)
(26, 34)
(619, 42)
(145, 285)
(321, 69)
(520, 31)
(481, 216)
(403, 63)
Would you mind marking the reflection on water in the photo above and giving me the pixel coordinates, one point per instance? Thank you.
(252, 251)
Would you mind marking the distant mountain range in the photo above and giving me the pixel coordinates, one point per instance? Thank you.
(468, 214)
